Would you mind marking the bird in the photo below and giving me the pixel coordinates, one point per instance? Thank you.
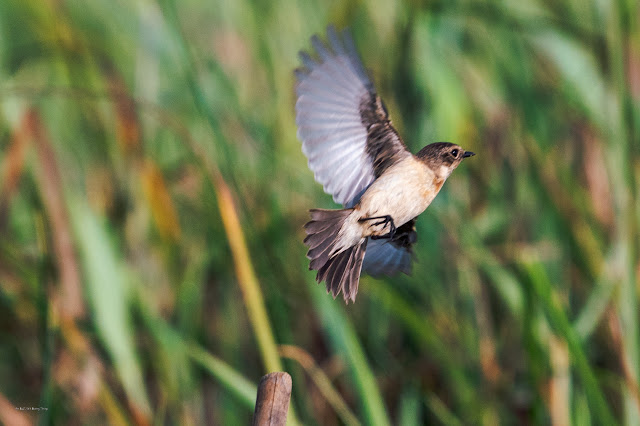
(358, 157)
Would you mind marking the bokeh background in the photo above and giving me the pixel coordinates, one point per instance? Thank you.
(153, 192)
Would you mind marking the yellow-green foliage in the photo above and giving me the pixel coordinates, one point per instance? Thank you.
(153, 192)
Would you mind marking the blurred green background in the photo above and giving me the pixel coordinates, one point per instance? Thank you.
(153, 192)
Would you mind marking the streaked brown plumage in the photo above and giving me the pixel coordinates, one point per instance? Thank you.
(358, 157)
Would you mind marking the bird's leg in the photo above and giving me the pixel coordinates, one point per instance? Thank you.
(381, 237)
(384, 221)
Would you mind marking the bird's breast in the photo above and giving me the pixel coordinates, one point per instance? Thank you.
(403, 192)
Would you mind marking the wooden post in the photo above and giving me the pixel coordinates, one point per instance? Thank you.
(272, 402)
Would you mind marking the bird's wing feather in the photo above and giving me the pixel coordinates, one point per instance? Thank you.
(342, 123)
(388, 257)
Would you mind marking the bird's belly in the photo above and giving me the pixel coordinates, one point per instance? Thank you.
(402, 193)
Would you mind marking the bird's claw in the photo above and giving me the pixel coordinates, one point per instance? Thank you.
(385, 220)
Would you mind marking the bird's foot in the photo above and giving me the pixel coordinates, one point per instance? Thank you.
(384, 221)
(381, 237)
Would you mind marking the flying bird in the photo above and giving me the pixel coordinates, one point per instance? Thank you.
(359, 158)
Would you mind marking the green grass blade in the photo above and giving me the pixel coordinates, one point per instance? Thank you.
(410, 407)
(227, 376)
(550, 302)
(110, 300)
(176, 347)
(346, 343)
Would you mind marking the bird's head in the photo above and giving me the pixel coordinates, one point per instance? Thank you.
(443, 157)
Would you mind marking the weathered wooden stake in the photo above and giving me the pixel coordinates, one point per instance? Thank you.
(272, 402)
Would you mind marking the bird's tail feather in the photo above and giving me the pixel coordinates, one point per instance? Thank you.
(341, 272)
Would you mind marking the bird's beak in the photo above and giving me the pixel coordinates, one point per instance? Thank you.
(468, 154)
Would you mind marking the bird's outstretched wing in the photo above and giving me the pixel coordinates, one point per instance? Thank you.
(342, 123)
(347, 136)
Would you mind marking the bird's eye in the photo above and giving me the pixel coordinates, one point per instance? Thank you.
(454, 153)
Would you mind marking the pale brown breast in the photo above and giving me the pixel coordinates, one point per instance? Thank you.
(403, 192)
(436, 184)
